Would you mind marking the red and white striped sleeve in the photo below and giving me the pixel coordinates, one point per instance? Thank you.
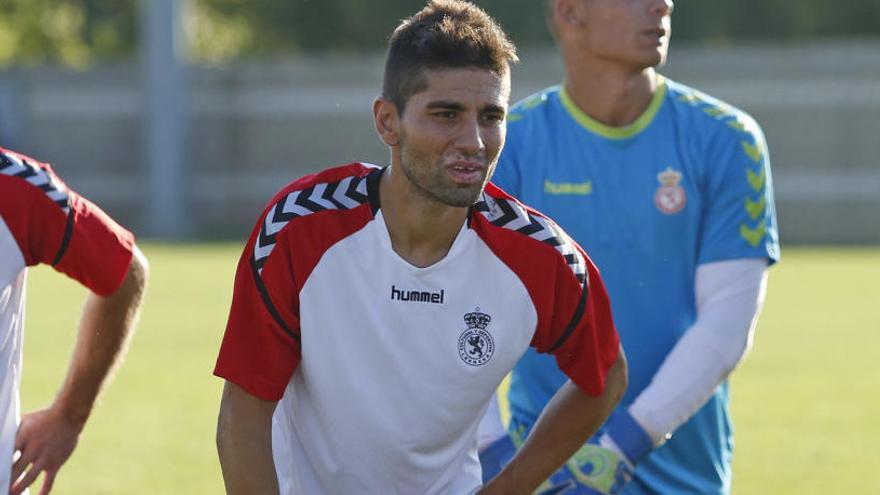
(54, 225)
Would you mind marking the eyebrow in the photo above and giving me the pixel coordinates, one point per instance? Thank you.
(446, 105)
(452, 105)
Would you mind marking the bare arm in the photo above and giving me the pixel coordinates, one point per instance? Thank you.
(46, 438)
(568, 420)
(244, 442)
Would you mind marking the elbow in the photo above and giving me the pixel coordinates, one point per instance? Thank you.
(225, 430)
(138, 270)
(616, 381)
(134, 283)
(222, 432)
(130, 294)
(735, 354)
(620, 374)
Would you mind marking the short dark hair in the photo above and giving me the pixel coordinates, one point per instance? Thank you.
(444, 34)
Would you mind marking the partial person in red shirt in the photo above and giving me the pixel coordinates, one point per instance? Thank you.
(42, 221)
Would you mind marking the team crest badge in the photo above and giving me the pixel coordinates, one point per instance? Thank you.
(670, 197)
(475, 345)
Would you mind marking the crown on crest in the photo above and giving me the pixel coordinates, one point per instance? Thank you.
(669, 177)
(477, 319)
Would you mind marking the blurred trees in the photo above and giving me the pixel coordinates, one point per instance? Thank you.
(77, 32)
(71, 32)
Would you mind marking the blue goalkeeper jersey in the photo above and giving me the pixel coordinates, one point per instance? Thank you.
(687, 183)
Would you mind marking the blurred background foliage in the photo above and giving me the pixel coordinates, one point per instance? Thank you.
(81, 32)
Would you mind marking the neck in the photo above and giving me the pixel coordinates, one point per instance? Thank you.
(422, 229)
(610, 95)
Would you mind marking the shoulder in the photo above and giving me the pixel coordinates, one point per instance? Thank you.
(23, 176)
(710, 116)
(331, 179)
(523, 232)
(533, 108)
(337, 189)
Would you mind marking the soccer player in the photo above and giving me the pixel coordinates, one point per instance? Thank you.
(670, 191)
(375, 310)
(43, 221)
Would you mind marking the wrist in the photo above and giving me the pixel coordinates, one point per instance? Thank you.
(628, 436)
(72, 413)
(501, 484)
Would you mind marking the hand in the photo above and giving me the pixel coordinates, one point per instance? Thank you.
(592, 470)
(44, 441)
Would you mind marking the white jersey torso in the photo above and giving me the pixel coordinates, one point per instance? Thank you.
(386, 343)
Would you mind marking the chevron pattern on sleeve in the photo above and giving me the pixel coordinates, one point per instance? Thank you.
(14, 166)
(511, 215)
(346, 194)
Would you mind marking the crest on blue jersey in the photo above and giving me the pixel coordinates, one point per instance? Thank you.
(670, 197)
(476, 345)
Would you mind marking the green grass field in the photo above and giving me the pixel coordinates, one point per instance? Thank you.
(806, 402)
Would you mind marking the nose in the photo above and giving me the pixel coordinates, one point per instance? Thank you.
(470, 137)
(662, 7)
(666, 7)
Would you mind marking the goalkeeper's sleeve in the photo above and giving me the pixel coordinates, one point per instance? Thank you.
(729, 297)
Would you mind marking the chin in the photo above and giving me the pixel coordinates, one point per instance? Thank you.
(461, 198)
(651, 61)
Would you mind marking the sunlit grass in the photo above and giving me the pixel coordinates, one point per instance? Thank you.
(805, 402)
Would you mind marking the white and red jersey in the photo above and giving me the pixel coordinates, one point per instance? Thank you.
(383, 369)
(42, 221)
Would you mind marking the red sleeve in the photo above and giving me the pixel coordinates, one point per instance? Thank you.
(581, 333)
(98, 250)
(261, 349)
(55, 226)
(574, 314)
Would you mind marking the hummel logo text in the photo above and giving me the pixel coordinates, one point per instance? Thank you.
(417, 296)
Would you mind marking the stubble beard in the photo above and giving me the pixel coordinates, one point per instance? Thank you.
(427, 178)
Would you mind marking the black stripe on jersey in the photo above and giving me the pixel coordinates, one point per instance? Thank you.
(303, 199)
(508, 215)
(328, 195)
(575, 319)
(306, 202)
(267, 301)
(532, 228)
(352, 192)
(265, 238)
(373, 188)
(478, 207)
(36, 176)
(65, 241)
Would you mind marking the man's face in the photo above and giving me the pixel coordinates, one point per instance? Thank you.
(632, 32)
(452, 133)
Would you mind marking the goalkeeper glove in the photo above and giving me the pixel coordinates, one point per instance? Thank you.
(605, 465)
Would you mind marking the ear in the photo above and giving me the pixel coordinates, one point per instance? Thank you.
(387, 121)
(567, 12)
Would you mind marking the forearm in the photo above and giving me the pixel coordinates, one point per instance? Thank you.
(106, 327)
(728, 304)
(244, 443)
(568, 420)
